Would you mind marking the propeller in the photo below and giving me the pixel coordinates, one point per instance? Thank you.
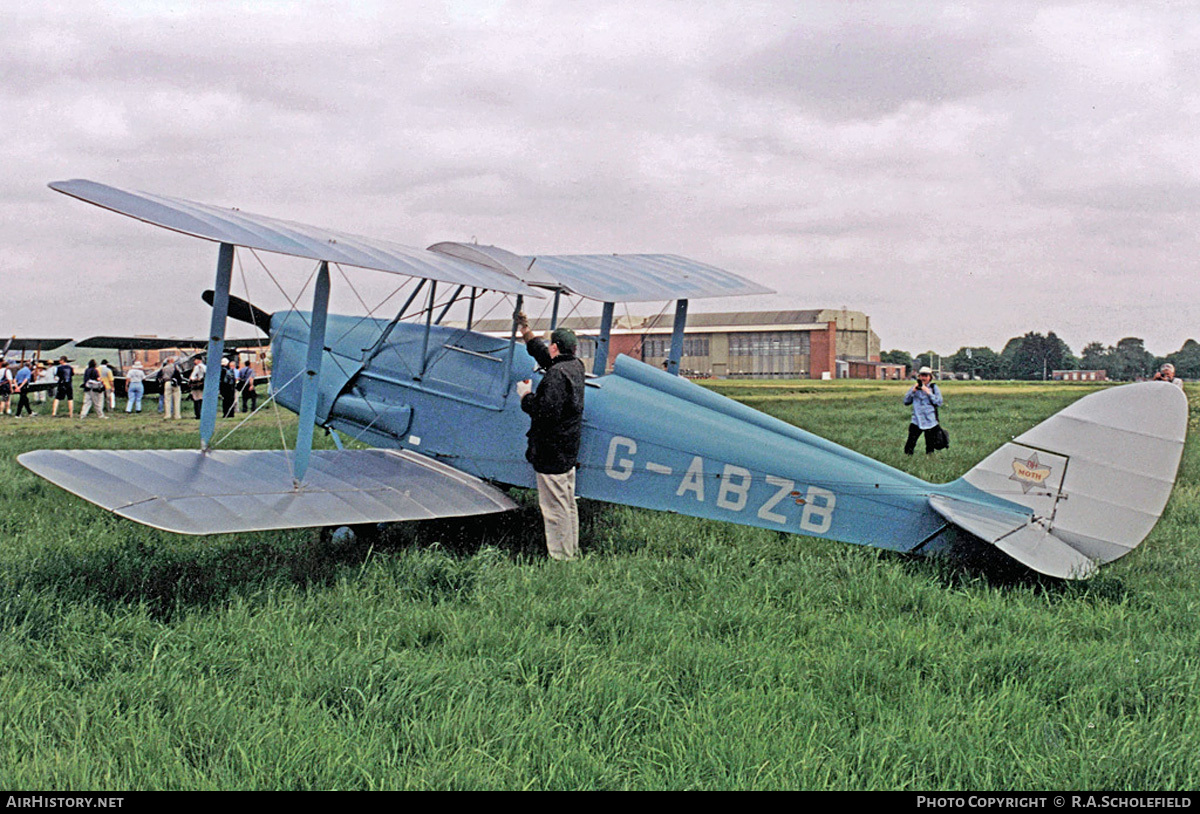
(243, 311)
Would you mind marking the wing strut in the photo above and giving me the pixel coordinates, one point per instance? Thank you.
(375, 349)
(216, 345)
(512, 338)
(453, 299)
(600, 364)
(428, 329)
(312, 374)
(681, 307)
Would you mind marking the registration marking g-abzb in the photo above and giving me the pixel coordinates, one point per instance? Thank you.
(733, 491)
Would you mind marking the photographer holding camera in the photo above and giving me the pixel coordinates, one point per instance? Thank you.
(1166, 373)
(924, 398)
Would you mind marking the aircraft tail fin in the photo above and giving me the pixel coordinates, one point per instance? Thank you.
(1082, 488)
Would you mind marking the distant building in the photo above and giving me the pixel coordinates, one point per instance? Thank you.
(814, 344)
(876, 370)
(1079, 375)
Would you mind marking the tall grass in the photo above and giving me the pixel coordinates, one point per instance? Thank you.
(679, 653)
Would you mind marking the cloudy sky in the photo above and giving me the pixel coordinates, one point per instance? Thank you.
(962, 172)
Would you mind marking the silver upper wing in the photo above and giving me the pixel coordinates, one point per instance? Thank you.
(601, 277)
(239, 228)
(612, 277)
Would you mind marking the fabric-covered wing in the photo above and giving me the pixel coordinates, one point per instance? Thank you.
(163, 343)
(239, 228)
(225, 491)
(642, 277)
(23, 343)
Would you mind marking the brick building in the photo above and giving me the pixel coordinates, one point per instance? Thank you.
(811, 344)
(1079, 375)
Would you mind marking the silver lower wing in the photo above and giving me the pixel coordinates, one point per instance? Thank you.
(225, 491)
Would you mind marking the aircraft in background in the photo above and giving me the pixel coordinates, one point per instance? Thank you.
(37, 346)
(186, 350)
(437, 405)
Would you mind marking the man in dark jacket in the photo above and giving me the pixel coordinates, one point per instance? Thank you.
(556, 423)
(228, 389)
(63, 375)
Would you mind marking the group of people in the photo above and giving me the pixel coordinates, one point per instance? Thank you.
(99, 387)
(236, 377)
(22, 381)
(19, 383)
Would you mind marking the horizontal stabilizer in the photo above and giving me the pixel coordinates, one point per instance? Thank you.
(226, 491)
(986, 522)
(1016, 534)
(1036, 547)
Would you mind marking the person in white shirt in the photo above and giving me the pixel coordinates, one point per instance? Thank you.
(6, 387)
(42, 375)
(197, 380)
(135, 387)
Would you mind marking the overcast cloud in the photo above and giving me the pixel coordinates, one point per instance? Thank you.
(962, 172)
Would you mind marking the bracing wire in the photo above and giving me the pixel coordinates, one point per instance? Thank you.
(370, 311)
(648, 326)
(292, 302)
(269, 400)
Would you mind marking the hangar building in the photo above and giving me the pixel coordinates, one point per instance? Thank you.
(813, 344)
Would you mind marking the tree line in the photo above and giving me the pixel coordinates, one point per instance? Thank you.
(1035, 356)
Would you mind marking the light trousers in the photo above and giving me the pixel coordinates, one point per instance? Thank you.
(173, 398)
(93, 398)
(560, 514)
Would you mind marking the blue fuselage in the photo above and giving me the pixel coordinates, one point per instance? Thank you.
(650, 439)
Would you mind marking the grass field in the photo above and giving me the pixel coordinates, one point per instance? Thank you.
(679, 653)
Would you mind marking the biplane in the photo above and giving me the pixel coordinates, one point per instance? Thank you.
(437, 406)
(36, 346)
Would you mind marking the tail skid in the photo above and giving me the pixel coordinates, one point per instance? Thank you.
(1082, 488)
